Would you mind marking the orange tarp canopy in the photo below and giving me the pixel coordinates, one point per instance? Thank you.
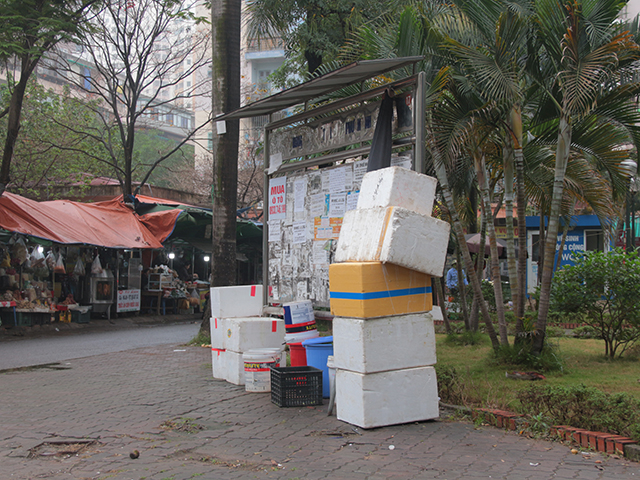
(108, 224)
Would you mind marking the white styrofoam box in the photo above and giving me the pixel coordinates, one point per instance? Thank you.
(218, 363)
(387, 398)
(217, 327)
(243, 334)
(398, 187)
(236, 301)
(298, 312)
(235, 367)
(384, 343)
(394, 235)
(436, 313)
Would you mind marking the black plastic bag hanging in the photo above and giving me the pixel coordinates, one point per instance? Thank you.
(380, 154)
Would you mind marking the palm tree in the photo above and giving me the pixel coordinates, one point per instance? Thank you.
(494, 62)
(584, 53)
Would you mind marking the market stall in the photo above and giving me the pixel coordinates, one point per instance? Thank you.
(59, 260)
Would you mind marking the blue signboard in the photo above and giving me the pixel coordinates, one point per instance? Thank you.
(573, 243)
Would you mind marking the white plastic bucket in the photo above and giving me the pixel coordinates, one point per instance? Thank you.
(257, 369)
(279, 352)
(301, 336)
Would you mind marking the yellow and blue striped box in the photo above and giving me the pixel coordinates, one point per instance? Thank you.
(375, 289)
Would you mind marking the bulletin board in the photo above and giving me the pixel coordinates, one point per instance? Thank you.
(314, 162)
(306, 211)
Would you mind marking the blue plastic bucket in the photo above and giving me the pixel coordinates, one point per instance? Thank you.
(318, 351)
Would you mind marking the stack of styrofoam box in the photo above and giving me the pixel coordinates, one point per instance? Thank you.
(237, 327)
(383, 335)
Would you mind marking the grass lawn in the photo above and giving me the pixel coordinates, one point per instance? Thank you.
(486, 385)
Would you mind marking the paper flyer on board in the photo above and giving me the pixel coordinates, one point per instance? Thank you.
(277, 198)
(300, 192)
(299, 232)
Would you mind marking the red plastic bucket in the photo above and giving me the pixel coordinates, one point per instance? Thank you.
(298, 354)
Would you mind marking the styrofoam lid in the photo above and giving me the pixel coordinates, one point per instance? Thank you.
(317, 341)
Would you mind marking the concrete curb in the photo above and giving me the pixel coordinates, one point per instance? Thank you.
(598, 441)
(94, 325)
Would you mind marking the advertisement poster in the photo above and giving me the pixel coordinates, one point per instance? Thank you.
(128, 301)
(277, 198)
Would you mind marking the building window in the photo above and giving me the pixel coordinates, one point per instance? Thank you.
(264, 84)
(209, 140)
(594, 240)
(87, 78)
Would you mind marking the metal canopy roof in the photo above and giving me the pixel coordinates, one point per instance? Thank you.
(348, 75)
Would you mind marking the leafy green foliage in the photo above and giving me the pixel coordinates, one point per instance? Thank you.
(449, 385)
(317, 29)
(46, 152)
(584, 407)
(467, 337)
(149, 144)
(603, 288)
(521, 354)
(584, 331)
(31, 28)
(489, 293)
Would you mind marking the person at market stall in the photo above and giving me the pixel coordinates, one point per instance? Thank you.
(181, 268)
(161, 259)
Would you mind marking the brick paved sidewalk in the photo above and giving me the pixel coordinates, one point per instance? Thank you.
(111, 405)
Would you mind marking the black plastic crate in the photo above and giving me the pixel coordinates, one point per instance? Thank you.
(296, 386)
(79, 316)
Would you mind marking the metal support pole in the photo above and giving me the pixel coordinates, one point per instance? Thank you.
(265, 221)
(419, 113)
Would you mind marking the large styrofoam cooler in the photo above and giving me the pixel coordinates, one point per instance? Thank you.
(387, 398)
(243, 334)
(235, 367)
(394, 235)
(217, 329)
(436, 313)
(375, 289)
(398, 187)
(384, 343)
(236, 301)
(218, 363)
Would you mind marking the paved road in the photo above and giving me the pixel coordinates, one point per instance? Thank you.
(83, 420)
(61, 346)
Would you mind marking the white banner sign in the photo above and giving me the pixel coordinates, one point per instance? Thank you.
(128, 301)
(277, 198)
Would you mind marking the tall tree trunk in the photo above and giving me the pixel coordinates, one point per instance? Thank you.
(481, 173)
(480, 264)
(225, 25)
(508, 207)
(516, 128)
(562, 158)
(437, 282)
(441, 173)
(13, 121)
(542, 237)
(128, 143)
(462, 290)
